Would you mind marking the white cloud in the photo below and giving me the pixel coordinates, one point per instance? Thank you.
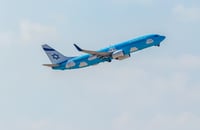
(168, 73)
(183, 121)
(124, 83)
(186, 62)
(121, 122)
(187, 14)
(140, 2)
(190, 62)
(40, 124)
(31, 32)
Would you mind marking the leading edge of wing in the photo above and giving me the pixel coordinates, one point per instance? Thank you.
(101, 54)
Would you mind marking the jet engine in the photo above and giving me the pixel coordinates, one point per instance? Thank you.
(119, 55)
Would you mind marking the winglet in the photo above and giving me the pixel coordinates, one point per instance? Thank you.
(78, 48)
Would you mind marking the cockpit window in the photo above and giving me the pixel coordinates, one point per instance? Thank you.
(156, 36)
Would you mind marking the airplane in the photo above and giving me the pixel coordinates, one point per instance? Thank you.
(118, 51)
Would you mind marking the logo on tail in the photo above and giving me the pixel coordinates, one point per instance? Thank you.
(55, 56)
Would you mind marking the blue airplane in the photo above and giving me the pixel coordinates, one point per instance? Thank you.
(118, 52)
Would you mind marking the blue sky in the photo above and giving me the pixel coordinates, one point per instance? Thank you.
(157, 88)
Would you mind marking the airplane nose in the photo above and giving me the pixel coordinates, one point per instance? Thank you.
(162, 38)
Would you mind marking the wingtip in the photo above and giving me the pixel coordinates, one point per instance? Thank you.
(43, 45)
(78, 48)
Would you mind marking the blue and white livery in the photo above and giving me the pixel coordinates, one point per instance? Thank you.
(118, 51)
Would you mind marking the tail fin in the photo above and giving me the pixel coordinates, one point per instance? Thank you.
(54, 56)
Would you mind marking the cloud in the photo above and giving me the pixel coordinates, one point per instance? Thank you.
(183, 121)
(187, 14)
(31, 32)
(128, 2)
(121, 122)
(137, 104)
(185, 62)
(40, 124)
(168, 73)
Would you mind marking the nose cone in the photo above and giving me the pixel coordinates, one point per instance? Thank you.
(162, 38)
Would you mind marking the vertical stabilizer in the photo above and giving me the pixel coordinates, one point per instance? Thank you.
(54, 56)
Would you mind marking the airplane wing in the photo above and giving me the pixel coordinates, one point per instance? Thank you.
(96, 53)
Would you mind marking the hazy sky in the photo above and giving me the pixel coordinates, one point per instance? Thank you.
(155, 89)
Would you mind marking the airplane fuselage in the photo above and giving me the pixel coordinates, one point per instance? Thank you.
(120, 52)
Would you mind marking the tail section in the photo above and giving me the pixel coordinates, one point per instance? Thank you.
(54, 56)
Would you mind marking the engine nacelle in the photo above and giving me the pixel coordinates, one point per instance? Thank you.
(124, 57)
(119, 55)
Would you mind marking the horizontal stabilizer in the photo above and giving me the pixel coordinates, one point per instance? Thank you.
(51, 65)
